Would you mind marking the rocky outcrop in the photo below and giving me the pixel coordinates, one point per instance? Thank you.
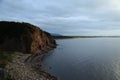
(24, 37)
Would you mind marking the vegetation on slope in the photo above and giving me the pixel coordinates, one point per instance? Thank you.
(5, 58)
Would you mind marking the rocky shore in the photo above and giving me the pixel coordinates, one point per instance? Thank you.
(20, 69)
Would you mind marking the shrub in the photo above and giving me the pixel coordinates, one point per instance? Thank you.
(5, 57)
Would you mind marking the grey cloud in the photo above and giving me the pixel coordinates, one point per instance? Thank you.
(71, 17)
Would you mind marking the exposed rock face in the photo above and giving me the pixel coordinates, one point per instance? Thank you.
(24, 37)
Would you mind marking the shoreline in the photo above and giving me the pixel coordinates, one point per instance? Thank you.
(26, 67)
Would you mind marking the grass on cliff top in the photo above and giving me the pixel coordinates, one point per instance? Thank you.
(5, 57)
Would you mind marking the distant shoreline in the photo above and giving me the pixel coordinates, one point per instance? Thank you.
(69, 37)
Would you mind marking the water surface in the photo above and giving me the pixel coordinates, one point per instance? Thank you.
(85, 59)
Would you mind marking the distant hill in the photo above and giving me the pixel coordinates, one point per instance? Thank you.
(55, 34)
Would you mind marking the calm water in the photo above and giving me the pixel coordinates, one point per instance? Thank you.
(85, 59)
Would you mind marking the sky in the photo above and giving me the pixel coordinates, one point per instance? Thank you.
(66, 17)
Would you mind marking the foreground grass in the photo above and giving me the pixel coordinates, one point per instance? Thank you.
(5, 58)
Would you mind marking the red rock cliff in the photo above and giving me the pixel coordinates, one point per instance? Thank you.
(24, 37)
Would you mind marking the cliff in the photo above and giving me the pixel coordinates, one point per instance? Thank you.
(24, 37)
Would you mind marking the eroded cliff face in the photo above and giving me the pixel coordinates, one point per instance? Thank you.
(24, 37)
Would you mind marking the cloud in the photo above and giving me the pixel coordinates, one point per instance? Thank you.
(70, 17)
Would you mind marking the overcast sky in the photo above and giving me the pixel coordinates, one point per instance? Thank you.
(67, 17)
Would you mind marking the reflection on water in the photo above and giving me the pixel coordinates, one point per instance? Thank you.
(85, 59)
